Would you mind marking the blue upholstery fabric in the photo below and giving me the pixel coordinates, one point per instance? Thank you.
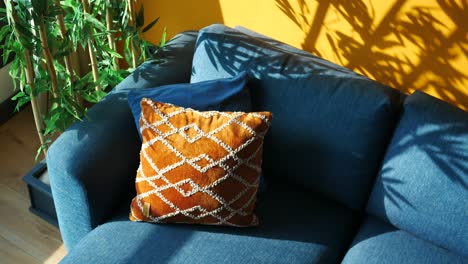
(330, 126)
(92, 165)
(380, 243)
(294, 228)
(227, 94)
(423, 185)
(170, 65)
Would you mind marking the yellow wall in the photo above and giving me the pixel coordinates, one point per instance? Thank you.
(406, 44)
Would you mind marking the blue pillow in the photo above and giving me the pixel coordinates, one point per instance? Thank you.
(226, 94)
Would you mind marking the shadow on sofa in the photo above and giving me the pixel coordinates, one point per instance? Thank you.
(450, 159)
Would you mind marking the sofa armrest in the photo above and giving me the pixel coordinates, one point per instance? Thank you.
(92, 165)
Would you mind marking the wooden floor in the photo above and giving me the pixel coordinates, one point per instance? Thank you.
(24, 237)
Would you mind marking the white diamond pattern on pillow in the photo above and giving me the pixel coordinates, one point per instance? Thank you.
(228, 163)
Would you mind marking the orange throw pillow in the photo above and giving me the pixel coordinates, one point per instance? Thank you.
(198, 167)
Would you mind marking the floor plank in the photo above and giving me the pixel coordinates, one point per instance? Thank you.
(18, 146)
(24, 237)
(24, 229)
(12, 254)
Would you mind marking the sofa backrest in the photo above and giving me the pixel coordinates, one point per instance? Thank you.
(330, 125)
(423, 185)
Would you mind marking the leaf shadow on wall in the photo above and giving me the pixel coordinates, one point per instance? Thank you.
(371, 46)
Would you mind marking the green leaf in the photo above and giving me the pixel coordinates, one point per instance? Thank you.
(26, 37)
(150, 25)
(55, 11)
(18, 96)
(85, 35)
(125, 16)
(127, 51)
(4, 31)
(51, 120)
(24, 4)
(64, 49)
(24, 30)
(99, 95)
(14, 68)
(40, 151)
(140, 18)
(70, 107)
(40, 6)
(22, 80)
(6, 56)
(93, 96)
(96, 23)
(21, 101)
(8, 8)
(53, 106)
(162, 42)
(111, 51)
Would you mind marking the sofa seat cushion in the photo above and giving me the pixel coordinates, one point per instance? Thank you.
(379, 242)
(295, 227)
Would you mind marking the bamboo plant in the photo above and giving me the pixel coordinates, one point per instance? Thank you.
(45, 34)
(133, 26)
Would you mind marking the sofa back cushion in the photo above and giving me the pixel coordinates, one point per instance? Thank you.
(330, 125)
(423, 185)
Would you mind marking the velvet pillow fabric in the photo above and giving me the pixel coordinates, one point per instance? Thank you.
(198, 167)
(224, 94)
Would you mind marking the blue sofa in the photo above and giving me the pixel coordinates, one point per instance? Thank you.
(355, 172)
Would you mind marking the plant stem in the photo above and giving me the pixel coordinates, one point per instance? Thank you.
(110, 35)
(92, 54)
(35, 101)
(132, 44)
(49, 59)
(67, 58)
(63, 33)
(30, 81)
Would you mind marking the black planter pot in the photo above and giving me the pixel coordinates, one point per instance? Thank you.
(40, 194)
